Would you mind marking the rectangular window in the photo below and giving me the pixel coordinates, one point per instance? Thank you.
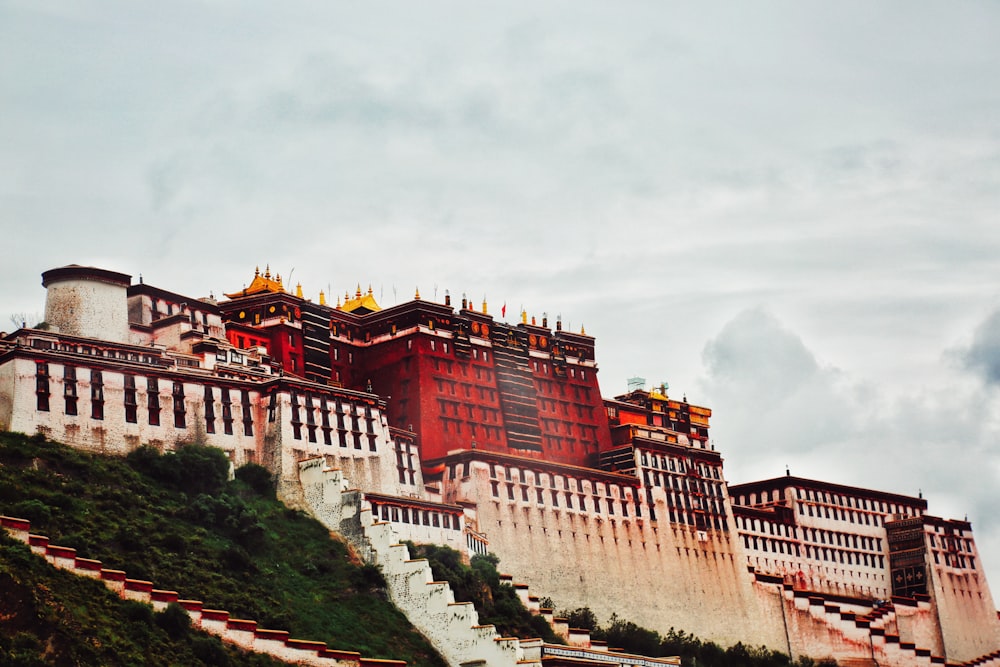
(96, 394)
(272, 407)
(227, 412)
(42, 386)
(296, 422)
(209, 410)
(247, 412)
(310, 418)
(153, 400)
(131, 405)
(180, 410)
(69, 389)
(324, 408)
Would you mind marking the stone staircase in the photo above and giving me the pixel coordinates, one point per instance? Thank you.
(241, 632)
(856, 634)
(452, 627)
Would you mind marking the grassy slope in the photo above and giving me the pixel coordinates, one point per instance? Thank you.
(51, 616)
(231, 547)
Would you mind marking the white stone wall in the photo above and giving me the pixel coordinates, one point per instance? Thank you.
(367, 468)
(964, 605)
(113, 434)
(657, 574)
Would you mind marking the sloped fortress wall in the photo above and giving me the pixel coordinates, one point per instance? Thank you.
(617, 560)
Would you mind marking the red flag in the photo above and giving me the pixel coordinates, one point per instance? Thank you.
(503, 310)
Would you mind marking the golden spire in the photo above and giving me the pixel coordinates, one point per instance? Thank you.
(369, 289)
(322, 299)
(298, 290)
(267, 271)
(357, 294)
(524, 316)
(484, 305)
(261, 283)
(416, 297)
(582, 330)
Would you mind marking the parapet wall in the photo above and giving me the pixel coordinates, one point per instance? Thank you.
(240, 632)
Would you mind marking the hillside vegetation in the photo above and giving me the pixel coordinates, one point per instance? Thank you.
(175, 519)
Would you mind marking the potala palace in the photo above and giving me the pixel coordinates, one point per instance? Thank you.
(436, 423)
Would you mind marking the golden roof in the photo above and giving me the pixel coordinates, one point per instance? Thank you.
(261, 283)
(362, 303)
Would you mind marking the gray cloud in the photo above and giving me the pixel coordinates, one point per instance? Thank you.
(983, 355)
(647, 174)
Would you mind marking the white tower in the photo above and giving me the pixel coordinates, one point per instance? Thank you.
(87, 301)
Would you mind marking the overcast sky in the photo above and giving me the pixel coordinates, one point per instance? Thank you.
(786, 210)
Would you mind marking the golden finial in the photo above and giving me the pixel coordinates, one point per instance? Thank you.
(484, 305)
(338, 303)
(277, 279)
(524, 316)
(298, 290)
(267, 271)
(357, 294)
(369, 289)
(416, 297)
(322, 299)
(256, 271)
(582, 330)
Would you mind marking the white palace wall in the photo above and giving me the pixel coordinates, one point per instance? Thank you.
(656, 574)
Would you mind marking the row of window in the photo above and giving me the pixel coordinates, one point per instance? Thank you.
(951, 543)
(544, 479)
(852, 502)
(417, 517)
(694, 503)
(405, 456)
(700, 520)
(310, 407)
(770, 527)
(955, 560)
(833, 512)
(567, 499)
(485, 431)
(130, 401)
(486, 414)
(94, 351)
(846, 557)
(677, 464)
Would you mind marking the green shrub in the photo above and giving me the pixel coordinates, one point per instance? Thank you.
(174, 620)
(258, 478)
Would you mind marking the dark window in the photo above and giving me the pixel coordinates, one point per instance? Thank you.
(180, 414)
(42, 386)
(153, 400)
(296, 422)
(96, 395)
(209, 410)
(69, 389)
(272, 407)
(227, 412)
(131, 405)
(247, 412)
(310, 418)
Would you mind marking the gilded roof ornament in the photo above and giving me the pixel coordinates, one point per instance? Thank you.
(260, 284)
(361, 303)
